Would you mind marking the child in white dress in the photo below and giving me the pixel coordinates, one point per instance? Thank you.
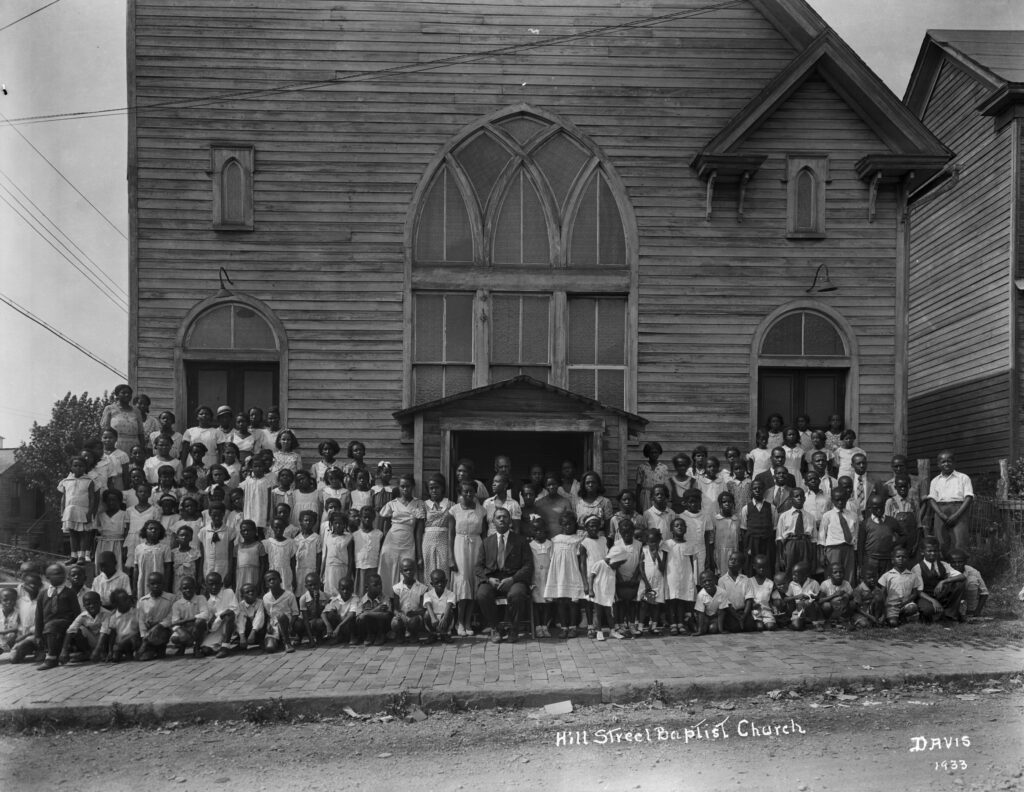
(540, 547)
(281, 555)
(111, 526)
(78, 507)
(565, 575)
(679, 569)
(308, 550)
(337, 553)
(593, 550)
(651, 594)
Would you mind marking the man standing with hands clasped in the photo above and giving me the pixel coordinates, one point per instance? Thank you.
(504, 569)
(949, 497)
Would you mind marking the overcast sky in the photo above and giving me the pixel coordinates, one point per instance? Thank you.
(71, 57)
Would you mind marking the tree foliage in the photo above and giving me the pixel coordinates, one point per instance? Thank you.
(46, 458)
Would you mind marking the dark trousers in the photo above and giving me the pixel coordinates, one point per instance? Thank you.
(518, 596)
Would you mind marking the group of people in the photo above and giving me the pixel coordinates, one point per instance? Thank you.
(220, 539)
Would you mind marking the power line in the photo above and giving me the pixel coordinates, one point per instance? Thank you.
(65, 178)
(28, 314)
(96, 268)
(30, 13)
(71, 261)
(379, 73)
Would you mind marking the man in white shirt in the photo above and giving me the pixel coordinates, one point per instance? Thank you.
(949, 497)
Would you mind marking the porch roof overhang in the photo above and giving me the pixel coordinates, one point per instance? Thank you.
(405, 417)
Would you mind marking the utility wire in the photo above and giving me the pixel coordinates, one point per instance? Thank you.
(380, 73)
(96, 268)
(65, 178)
(28, 314)
(106, 292)
(30, 13)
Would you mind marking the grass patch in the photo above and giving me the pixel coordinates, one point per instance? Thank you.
(272, 711)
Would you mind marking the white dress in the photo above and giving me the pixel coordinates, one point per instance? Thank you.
(279, 556)
(336, 561)
(541, 564)
(399, 541)
(655, 580)
(467, 548)
(564, 578)
(603, 592)
(679, 570)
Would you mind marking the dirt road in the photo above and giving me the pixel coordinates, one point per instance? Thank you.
(972, 738)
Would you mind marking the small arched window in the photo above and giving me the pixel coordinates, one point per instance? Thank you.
(230, 326)
(807, 177)
(804, 334)
(231, 168)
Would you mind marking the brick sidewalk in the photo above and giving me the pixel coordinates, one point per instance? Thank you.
(476, 673)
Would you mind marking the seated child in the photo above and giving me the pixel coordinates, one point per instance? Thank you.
(188, 628)
(251, 621)
(941, 587)
(76, 582)
(154, 618)
(804, 591)
(311, 606)
(868, 604)
(220, 615)
(439, 606)
(407, 602)
(282, 611)
(119, 637)
(834, 595)
(975, 590)
(761, 588)
(735, 615)
(339, 615)
(10, 619)
(82, 640)
(374, 615)
(56, 609)
(781, 602)
(710, 603)
(901, 590)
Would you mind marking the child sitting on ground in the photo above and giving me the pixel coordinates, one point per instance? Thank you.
(56, 609)
(120, 635)
(220, 615)
(710, 602)
(439, 605)
(82, 640)
(834, 596)
(311, 606)
(282, 611)
(407, 602)
(761, 587)
(868, 604)
(10, 619)
(187, 628)
(975, 590)
(735, 615)
(154, 618)
(251, 620)
(339, 615)
(900, 585)
(805, 591)
(374, 616)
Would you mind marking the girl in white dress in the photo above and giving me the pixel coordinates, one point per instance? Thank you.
(651, 594)
(759, 458)
(600, 578)
(679, 586)
(403, 532)
(78, 507)
(467, 545)
(540, 547)
(338, 553)
(153, 555)
(565, 576)
(111, 526)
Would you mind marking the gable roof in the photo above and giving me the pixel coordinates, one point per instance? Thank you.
(7, 460)
(910, 145)
(995, 58)
(404, 416)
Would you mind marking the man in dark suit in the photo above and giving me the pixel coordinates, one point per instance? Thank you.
(767, 477)
(504, 569)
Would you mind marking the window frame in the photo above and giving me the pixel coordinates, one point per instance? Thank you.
(817, 165)
(556, 281)
(221, 156)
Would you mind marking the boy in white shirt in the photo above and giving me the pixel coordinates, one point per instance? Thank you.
(439, 607)
(339, 615)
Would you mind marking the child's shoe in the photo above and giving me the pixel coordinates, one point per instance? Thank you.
(600, 635)
(564, 633)
(673, 629)
(288, 648)
(617, 634)
(571, 632)
(591, 633)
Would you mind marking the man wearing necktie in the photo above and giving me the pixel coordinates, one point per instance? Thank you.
(837, 535)
(503, 569)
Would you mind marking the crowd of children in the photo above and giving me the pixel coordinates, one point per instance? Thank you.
(220, 539)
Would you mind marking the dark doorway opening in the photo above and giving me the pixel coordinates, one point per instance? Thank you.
(239, 385)
(549, 449)
(818, 392)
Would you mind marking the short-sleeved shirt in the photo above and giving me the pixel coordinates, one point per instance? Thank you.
(438, 603)
(951, 489)
(830, 589)
(710, 605)
(220, 603)
(105, 586)
(285, 605)
(899, 585)
(121, 625)
(410, 597)
(737, 591)
(342, 607)
(184, 609)
(491, 505)
(156, 610)
(83, 621)
(974, 580)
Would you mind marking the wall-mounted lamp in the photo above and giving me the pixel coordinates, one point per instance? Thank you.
(825, 284)
(223, 275)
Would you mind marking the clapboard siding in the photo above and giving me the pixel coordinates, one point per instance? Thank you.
(336, 168)
(960, 303)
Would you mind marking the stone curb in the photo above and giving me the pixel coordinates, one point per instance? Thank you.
(453, 698)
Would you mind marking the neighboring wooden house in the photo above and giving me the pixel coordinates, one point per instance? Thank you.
(415, 201)
(965, 264)
(20, 507)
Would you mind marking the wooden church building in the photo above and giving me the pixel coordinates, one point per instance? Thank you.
(966, 319)
(554, 230)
